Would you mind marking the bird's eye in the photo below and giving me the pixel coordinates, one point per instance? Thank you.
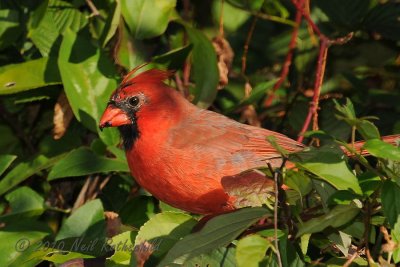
(134, 101)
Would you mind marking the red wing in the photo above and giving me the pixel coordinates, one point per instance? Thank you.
(227, 143)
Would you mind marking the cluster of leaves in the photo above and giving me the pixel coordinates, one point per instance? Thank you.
(65, 187)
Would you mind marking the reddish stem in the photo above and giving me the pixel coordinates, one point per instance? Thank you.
(289, 56)
(246, 45)
(319, 77)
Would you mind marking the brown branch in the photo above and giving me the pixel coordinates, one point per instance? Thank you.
(288, 59)
(350, 260)
(319, 77)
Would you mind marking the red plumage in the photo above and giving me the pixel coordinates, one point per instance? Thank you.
(181, 153)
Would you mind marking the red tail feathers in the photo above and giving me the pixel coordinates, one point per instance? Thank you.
(390, 139)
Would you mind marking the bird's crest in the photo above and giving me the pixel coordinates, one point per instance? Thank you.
(149, 76)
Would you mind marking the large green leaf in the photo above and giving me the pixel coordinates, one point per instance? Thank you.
(66, 16)
(83, 161)
(380, 149)
(130, 52)
(329, 165)
(112, 23)
(250, 250)
(89, 78)
(161, 232)
(217, 232)
(32, 74)
(221, 257)
(137, 211)
(20, 240)
(10, 28)
(26, 169)
(147, 18)
(87, 221)
(174, 59)
(24, 203)
(45, 34)
(205, 69)
(5, 161)
(336, 217)
(123, 255)
(390, 196)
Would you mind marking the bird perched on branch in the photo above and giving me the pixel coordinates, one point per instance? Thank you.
(186, 156)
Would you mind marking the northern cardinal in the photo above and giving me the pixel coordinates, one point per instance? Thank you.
(182, 154)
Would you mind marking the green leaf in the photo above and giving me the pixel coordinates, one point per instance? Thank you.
(390, 196)
(10, 27)
(205, 69)
(217, 232)
(173, 59)
(348, 15)
(32, 74)
(45, 34)
(342, 241)
(22, 238)
(161, 232)
(5, 161)
(258, 92)
(289, 255)
(299, 182)
(250, 250)
(89, 79)
(125, 243)
(24, 170)
(130, 52)
(66, 16)
(369, 183)
(381, 149)
(384, 20)
(330, 166)
(222, 257)
(234, 17)
(367, 129)
(396, 238)
(87, 221)
(147, 18)
(24, 203)
(112, 24)
(83, 161)
(137, 211)
(338, 216)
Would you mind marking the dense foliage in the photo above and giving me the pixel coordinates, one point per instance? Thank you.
(65, 188)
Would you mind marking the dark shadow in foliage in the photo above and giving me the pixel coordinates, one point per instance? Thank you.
(82, 49)
(87, 120)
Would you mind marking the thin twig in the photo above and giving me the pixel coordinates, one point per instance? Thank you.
(246, 46)
(276, 204)
(221, 20)
(93, 8)
(319, 77)
(288, 59)
(351, 259)
(263, 15)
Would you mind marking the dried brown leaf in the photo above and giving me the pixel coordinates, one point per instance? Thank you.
(62, 116)
(224, 57)
(143, 252)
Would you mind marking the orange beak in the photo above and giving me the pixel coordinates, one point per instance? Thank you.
(113, 117)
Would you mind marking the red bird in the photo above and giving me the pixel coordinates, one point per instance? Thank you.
(182, 154)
